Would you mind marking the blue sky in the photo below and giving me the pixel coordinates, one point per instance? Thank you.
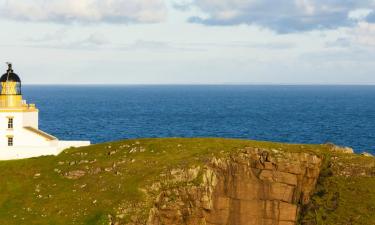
(189, 41)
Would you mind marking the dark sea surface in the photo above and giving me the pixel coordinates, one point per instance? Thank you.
(344, 115)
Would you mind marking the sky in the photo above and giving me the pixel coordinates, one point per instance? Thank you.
(189, 41)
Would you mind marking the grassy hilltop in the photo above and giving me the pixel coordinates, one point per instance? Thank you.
(89, 185)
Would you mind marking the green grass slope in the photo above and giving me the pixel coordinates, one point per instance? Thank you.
(90, 184)
(345, 192)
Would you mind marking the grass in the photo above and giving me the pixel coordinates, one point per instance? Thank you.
(345, 193)
(37, 191)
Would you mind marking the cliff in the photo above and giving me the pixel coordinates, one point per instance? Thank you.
(188, 182)
(252, 186)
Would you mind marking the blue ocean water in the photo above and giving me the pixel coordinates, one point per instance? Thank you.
(344, 115)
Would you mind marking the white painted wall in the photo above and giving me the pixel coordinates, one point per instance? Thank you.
(68, 144)
(27, 144)
(4, 131)
(25, 137)
(30, 119)
(26, 152)
(11, 153)
(21, 136)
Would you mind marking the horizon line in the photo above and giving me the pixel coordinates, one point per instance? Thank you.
(199, 84)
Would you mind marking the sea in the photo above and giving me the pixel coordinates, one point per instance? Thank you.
(344, 115)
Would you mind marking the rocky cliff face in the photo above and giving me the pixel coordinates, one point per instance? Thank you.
(181, 181)
(251, 186)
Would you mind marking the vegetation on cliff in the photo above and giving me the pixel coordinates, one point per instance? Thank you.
(345, 192)
(108, 182)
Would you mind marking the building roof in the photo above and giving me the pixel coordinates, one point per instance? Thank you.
(41, 133)
(10, 76)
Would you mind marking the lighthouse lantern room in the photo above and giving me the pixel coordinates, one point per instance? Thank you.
(20, 136)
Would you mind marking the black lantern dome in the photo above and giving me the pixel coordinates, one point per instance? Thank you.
(10, 76)
(10, 82)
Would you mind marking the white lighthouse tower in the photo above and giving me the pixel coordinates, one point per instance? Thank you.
(20, 136)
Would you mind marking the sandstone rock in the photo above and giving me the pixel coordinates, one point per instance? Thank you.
(336, 148)
(83, 162)
(252, 187)
(108, 169)
(276, 176)
(75, 174)
(111, 153)
(367, 154)
(288, 212)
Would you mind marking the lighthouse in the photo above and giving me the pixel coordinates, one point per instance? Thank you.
(20, 136)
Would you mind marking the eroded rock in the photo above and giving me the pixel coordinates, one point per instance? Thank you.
(253, 187)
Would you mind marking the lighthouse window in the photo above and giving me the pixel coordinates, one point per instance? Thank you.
(10, 141)
(10, 123)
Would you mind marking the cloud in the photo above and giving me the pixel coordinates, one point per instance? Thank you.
(96, 39)
(58, 35)
(358, 38)
(60, 39)
(364, 34)
(342, 42)
(283, 16)
(250, 45)
(84, 11)
(158, 46)
(371, 17)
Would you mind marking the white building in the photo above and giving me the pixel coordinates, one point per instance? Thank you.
(20, 136)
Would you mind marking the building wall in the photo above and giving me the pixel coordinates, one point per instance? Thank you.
(26, 143)
(9, 153)
(25, 137)
(30, 119)
(21, 136)
(68, 144)
(26, 152)
(4, 131)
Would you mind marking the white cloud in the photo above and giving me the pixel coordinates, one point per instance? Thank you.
(57, 35)
(62, 39)
(97, 39)
(86, 11)
(359, 14)
(358, 38)
(364, 34)
(283, 16)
